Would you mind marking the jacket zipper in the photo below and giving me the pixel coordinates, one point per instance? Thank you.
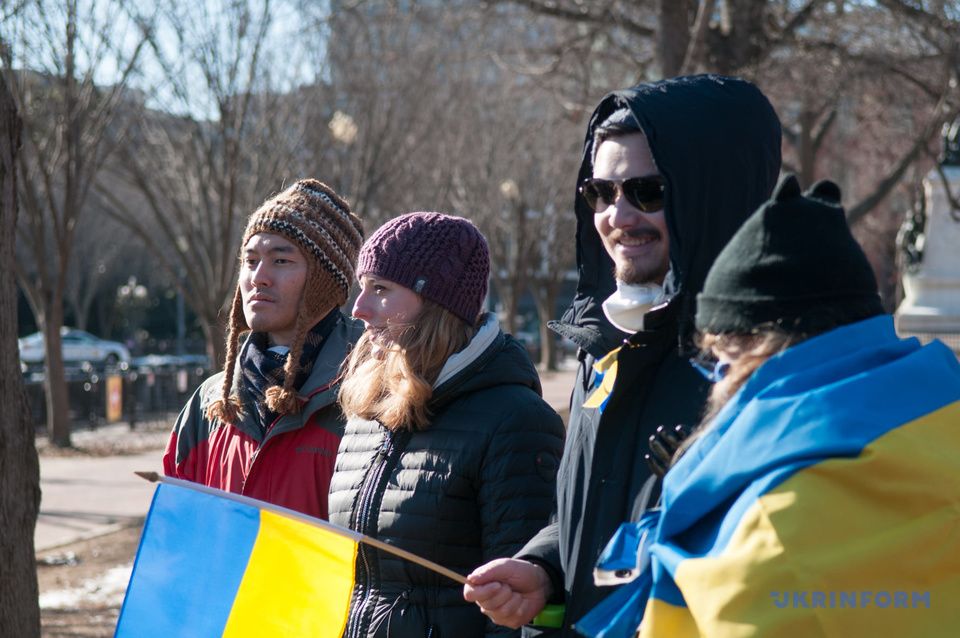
(361, 523)
(256, 455)
(269, 430)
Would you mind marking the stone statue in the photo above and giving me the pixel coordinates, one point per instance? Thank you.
(910, 237)
(928, 240)
(951, 144)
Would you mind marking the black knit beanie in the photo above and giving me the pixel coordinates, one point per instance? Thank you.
(793, 264)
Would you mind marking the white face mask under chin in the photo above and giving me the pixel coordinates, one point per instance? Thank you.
(625, 308)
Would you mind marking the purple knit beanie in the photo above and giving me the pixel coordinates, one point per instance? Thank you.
(442, 258)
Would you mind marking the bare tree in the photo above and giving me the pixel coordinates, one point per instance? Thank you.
(19, 466)
(814, 58)
(429, 116)
(861, 88)
(871, 84)
(535, 232)
(186, 183)
(515, 178)
(70, 130)
(675, 37)
(553, 250)
(99, 261)
(399, 74)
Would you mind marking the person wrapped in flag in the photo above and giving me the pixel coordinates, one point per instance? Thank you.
(821, 495)
(449, 450)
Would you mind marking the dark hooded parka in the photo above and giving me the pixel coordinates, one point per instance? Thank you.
(716, 142)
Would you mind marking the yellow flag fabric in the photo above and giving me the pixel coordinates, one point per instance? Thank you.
(824, 500)
(210, 566)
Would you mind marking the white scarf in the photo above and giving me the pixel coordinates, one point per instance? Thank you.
(480, 342)
(625, 308)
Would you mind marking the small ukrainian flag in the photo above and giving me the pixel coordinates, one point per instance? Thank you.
(217, 564)
(604, 379)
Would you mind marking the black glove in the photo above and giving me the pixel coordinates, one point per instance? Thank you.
(663, 445)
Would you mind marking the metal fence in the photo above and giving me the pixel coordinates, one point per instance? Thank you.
(133, 394)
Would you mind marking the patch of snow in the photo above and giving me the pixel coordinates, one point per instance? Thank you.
(107, 589)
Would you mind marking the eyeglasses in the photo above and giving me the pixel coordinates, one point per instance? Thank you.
(643, 193)
(711, 369)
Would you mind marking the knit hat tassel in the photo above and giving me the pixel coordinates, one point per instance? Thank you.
(227, 407)
(226, 410)
(282, 401)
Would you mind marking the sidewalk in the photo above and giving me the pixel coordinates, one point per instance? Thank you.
(557, 387)
(84, 496)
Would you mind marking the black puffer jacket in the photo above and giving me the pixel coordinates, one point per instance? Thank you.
(473, 486)
(716, 142)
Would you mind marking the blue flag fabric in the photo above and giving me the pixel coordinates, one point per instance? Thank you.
(832, 472)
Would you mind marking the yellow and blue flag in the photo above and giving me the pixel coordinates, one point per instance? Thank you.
(605, 377)
(823, 500)
(217, 564)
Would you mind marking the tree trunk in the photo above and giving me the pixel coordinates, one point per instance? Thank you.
(19, 467)
(507, 292)
(546, 299)
(215, 332)
(58, 402)
(806, 152)
(747, 35)
(80, 317)
(511, 305)
(673, 36)
(105, 309)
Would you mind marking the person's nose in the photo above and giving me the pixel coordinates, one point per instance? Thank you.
(622, 213)
(361, 307)
(260, 275)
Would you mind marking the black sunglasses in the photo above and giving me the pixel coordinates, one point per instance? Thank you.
(643, 193)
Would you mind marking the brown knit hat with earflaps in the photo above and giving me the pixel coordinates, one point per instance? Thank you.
(312, 216)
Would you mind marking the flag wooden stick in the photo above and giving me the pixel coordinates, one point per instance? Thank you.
(154, 477)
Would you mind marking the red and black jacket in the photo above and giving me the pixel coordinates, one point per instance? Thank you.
(288, 465)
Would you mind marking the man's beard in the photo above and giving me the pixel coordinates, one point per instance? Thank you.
(630, 273)
(639, 271)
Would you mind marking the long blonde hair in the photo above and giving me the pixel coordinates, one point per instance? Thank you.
(746, 353)
(393, 383)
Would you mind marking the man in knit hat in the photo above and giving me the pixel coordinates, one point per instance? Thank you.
(268, 425)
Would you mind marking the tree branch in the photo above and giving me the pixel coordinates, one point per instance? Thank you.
(698, 39)
(857, 212)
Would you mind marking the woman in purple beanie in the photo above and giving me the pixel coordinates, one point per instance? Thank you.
(449, 450)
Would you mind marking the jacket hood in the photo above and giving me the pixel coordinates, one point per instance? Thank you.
(317, 392)
(716, 142)
(503, 362)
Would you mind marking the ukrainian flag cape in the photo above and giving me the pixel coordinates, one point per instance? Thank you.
(824, 500)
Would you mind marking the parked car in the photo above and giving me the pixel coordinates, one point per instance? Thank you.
(78, 346)
(171, 361)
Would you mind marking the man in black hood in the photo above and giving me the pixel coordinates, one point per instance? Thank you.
(670, 170)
